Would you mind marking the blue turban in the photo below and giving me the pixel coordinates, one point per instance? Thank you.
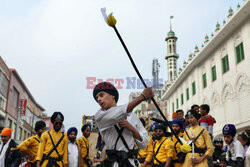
(72, 129)
(152, 127)
(229, 129)
(178, 122)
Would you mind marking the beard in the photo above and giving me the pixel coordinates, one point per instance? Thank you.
(39, 134)
(218, 147)
(158, 137)
(72, 139)
(177, 131)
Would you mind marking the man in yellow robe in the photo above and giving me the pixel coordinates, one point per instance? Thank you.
(203, 146)
(160, 147)
(173, 144)
(84, 144)
(52, 151)
(29, 147)
(144, 154)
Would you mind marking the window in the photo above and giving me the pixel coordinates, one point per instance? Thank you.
(15, 97)
(177, 103)
(173, 106)
(9, 123)
(214, 73)
(204, 79)
(171, 76)
(2, 103)
(24, 135)
(193, 88)
(182, 99)
(19, 133)
(3, 84)
(187, 92)
(239, 53)
(225, 64)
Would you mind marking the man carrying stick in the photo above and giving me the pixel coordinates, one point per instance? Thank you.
(119, 127)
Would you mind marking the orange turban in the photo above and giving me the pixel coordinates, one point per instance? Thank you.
(6, 132)
(174, 115)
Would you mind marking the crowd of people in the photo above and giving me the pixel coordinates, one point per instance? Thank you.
(124, 142)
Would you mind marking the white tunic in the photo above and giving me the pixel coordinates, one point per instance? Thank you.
(236, 150)
(72, 154)
(247, 160)
(3, 149)
(106, 119)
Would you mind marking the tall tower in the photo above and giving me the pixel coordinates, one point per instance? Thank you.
(171, 56)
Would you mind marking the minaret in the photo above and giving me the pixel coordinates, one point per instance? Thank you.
(171, 56)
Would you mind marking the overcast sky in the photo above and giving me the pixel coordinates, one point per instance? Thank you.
(55, 44)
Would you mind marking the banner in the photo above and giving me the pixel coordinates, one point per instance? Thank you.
(22, 104)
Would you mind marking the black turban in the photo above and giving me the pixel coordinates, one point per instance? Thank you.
(160, 126)
(193, 113)
(86, 126)
(39, 125)
(106, 87)
(57, 116)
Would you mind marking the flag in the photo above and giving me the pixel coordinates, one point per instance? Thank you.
(171, 17)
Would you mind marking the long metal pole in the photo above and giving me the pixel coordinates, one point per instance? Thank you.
(17, 122)
(139, 75)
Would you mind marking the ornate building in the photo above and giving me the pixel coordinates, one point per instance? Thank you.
(218, 74)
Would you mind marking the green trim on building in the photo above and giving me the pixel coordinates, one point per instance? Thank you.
(225, 64)
(204, 80)
(214, 77)
(239, 53)
(182, 99)
(193, 88)
(173, 106)
(177, 103)
(187, 93)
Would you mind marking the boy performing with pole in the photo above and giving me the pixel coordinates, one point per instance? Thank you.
(119, 127)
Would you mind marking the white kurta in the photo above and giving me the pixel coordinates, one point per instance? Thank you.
(236, 149)
(3, 149)
(106, 119)
(72, 154)
(247, 160)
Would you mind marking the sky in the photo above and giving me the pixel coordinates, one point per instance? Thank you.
(56, 44)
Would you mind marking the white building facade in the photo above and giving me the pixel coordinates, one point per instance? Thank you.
(218, 75)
